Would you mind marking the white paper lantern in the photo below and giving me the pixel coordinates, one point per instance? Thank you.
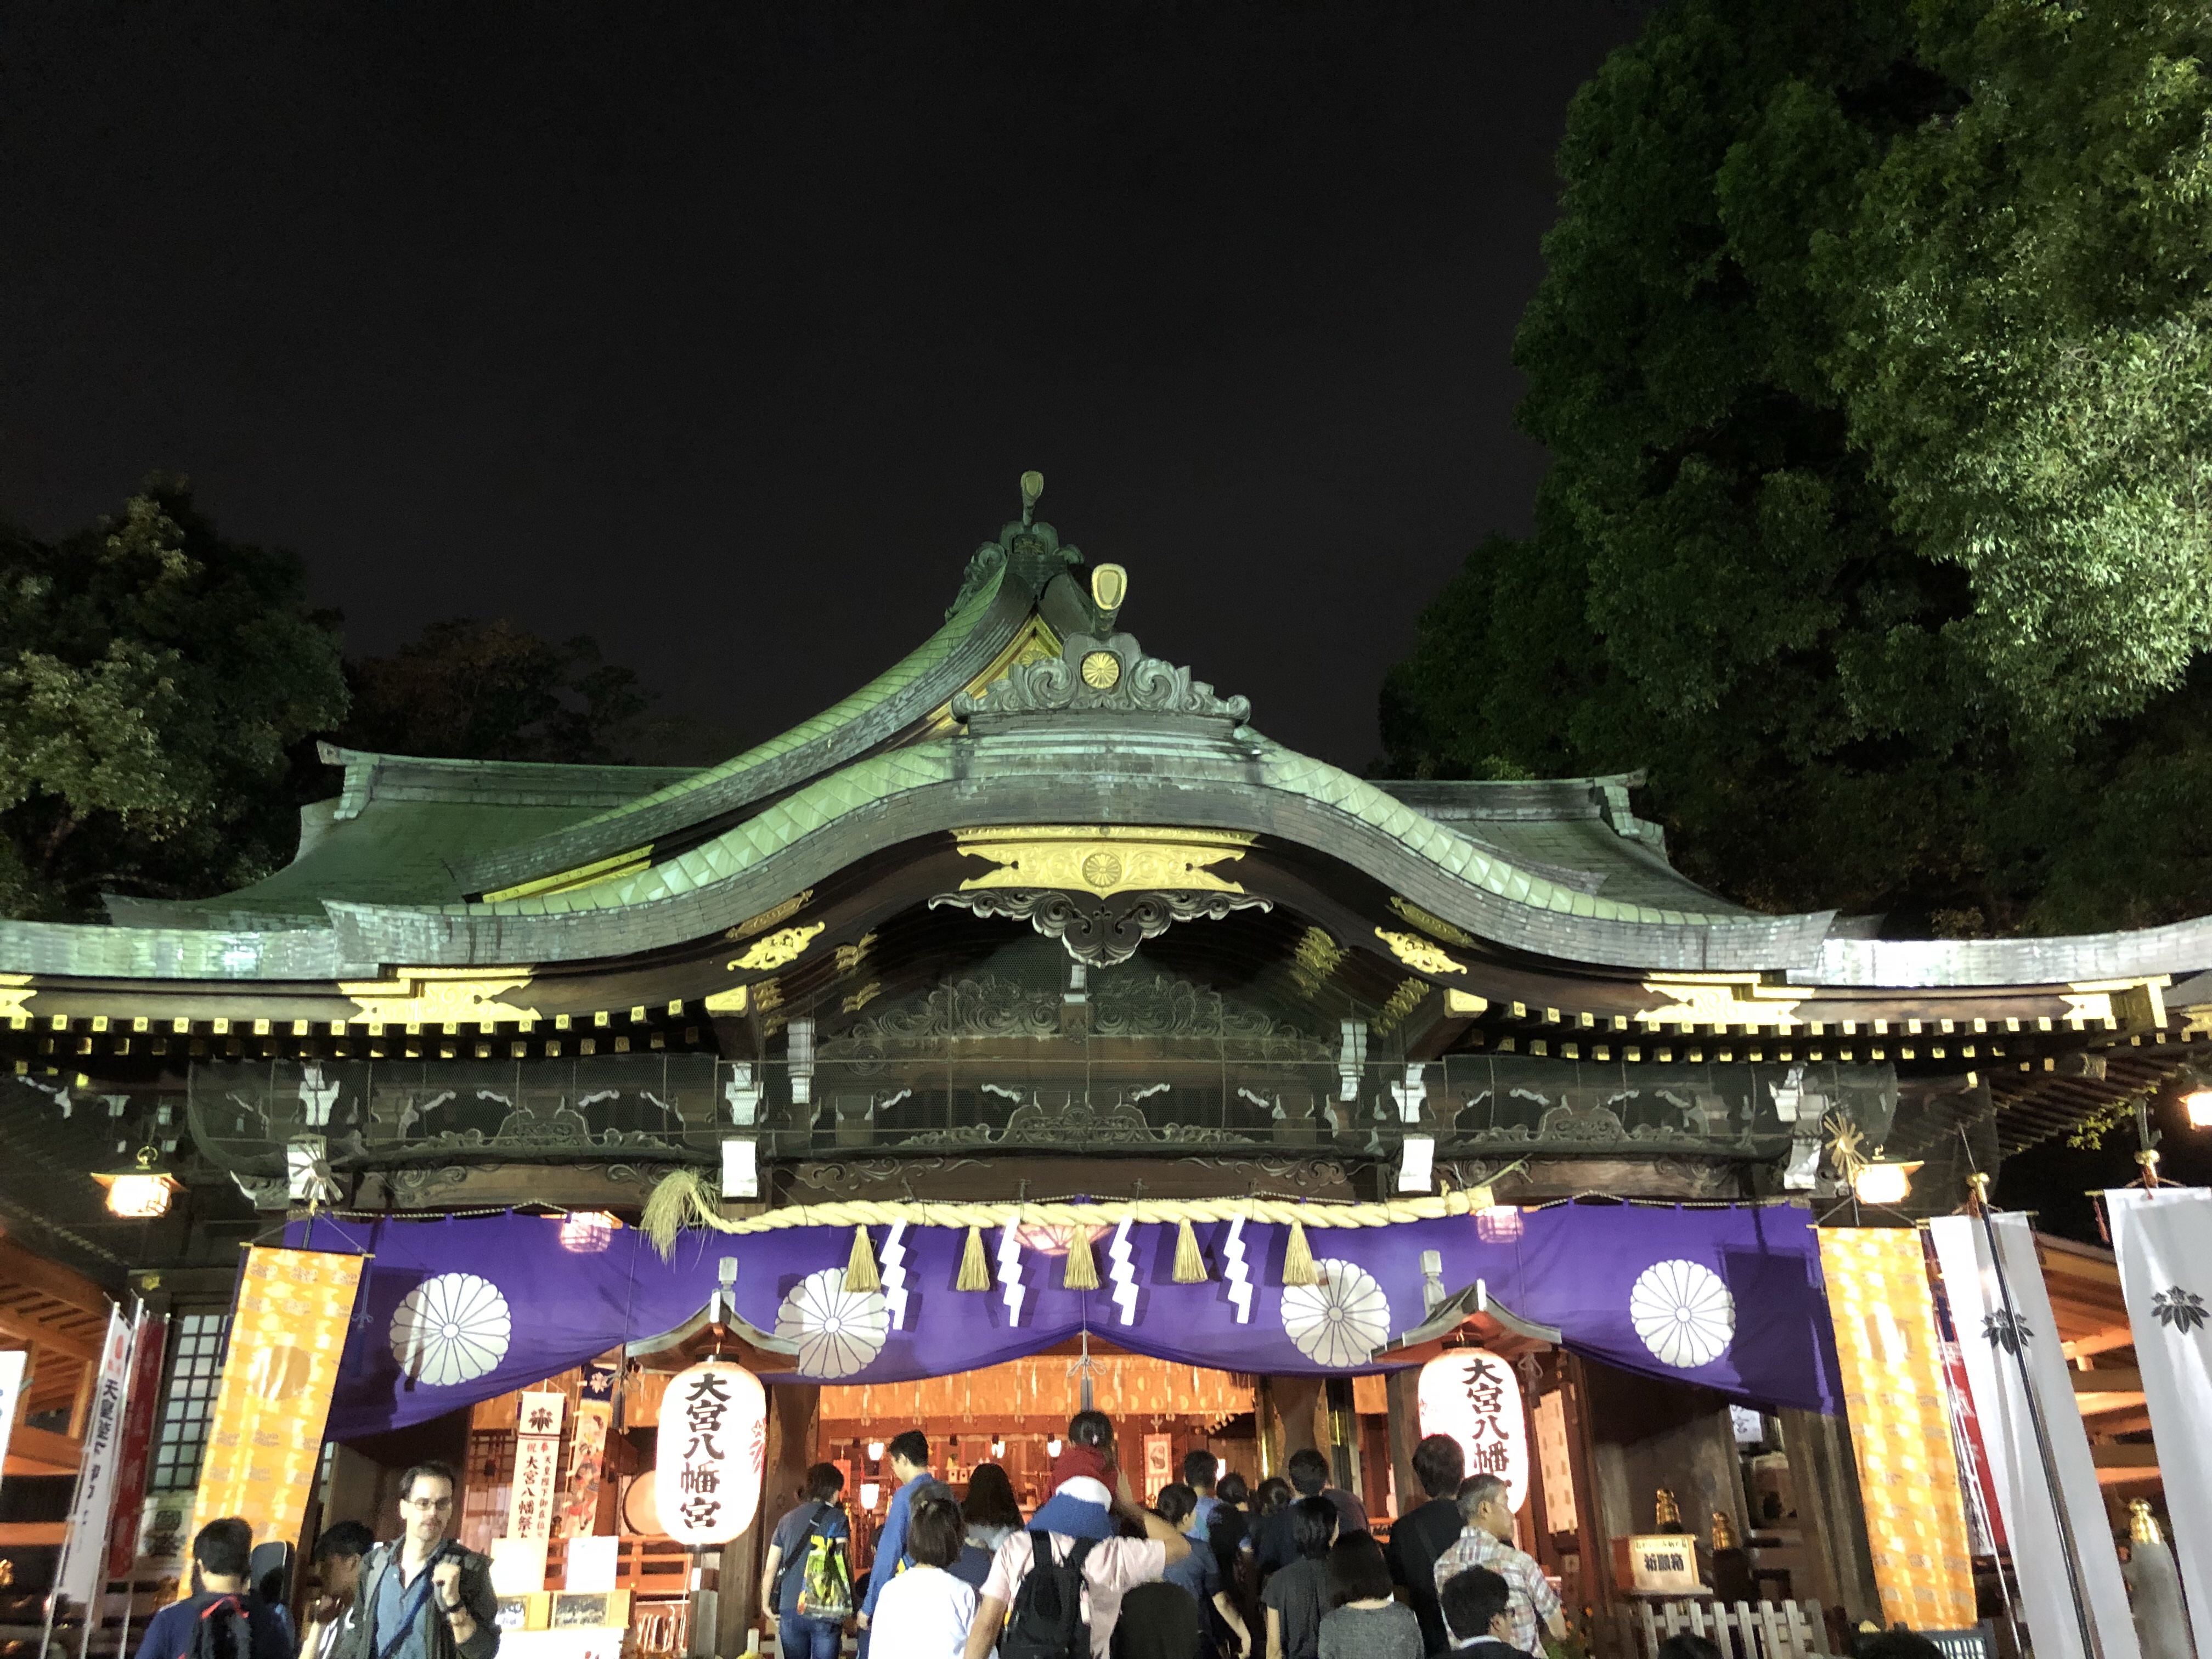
(1473, 1397)
(713, 1447)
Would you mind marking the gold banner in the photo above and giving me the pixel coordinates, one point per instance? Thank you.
(1893, 1395)
(294, 1307)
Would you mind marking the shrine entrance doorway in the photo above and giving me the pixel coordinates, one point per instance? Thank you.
(1014, 1415)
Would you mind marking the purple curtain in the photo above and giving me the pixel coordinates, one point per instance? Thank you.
(457, 1311)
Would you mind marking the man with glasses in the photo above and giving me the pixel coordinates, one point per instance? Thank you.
(424, 1597)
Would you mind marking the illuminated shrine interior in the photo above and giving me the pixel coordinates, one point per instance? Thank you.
(1651, 1447)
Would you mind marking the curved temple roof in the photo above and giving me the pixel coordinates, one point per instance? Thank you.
(1024, 708)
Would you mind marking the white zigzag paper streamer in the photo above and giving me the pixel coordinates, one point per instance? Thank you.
(1124, 1273)
(1010, 1271)
(894, 1274)
(1239, 1275)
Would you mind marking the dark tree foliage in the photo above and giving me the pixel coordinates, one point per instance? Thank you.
(1855, 612)
(468, 690)
(152, 677)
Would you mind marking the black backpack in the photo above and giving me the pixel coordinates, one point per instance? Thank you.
(220, 1631)
(1048, 1621)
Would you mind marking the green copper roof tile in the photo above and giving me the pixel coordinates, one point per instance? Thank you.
(1318, 781)
(896, 678)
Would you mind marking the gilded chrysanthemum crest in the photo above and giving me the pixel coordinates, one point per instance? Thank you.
(1112, 674)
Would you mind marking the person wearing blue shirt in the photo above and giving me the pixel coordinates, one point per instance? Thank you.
(1200, 1574)
(1199, 1470)
(909, 1460)
(783, 1574)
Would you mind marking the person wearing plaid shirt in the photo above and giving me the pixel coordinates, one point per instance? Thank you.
(1487, 1518)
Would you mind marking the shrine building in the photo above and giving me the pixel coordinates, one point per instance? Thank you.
(1028, 1029)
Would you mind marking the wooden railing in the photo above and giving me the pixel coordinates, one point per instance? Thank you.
(646, 1566)
(1749, 1630)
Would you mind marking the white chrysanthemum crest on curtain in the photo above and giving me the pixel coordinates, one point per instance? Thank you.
(1342, 1319)
(838, 1331)
(1683, 1313)
(451, 1330)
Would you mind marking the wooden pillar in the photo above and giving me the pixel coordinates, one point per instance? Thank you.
(1296, 1403)
(1593, 1577)
(794, 1415)
(1831, 1514)
(354, 1489)
(80, 1408)
(1400, 1390)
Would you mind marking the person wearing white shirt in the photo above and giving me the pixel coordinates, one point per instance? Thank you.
(1082, 1510)
(924, 1613)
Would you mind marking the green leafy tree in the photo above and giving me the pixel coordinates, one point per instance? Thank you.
(152, 677)
(2025, 306)
(1732, 580)
(469, 689)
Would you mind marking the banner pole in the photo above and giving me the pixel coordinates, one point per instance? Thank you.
(46, 1631)
(2068, 1546)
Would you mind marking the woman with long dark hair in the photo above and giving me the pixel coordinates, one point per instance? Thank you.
(989, 1514)
(990, 1509)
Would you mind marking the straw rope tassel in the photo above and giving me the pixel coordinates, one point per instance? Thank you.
(1081, 1273)
(1190, 1265)
(682, 1200)
(860, 1270)
(677, 1200)
(975, 1271)
(1298, 1257)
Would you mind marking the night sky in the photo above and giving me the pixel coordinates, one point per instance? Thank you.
(723, 332)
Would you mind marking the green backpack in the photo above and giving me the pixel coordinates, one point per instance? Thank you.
(825, 1585)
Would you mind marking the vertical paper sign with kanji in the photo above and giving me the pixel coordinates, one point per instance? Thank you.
(713, 1440)
(537, 1488)
(146, 1356)
(84, 1551)
(266, 1439)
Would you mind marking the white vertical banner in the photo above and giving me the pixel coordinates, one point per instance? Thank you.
(2163, 1238)
(2009, 1351)
(84, 1551)
(11, 1394)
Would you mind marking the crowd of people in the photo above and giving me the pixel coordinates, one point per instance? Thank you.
(1213, 1569)
(420, 1597)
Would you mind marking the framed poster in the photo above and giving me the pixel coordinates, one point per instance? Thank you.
(530, 1612)
(591, 1609)
(1159, 1464)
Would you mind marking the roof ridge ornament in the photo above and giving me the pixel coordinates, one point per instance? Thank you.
(1109, 675)
(1030, 546)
